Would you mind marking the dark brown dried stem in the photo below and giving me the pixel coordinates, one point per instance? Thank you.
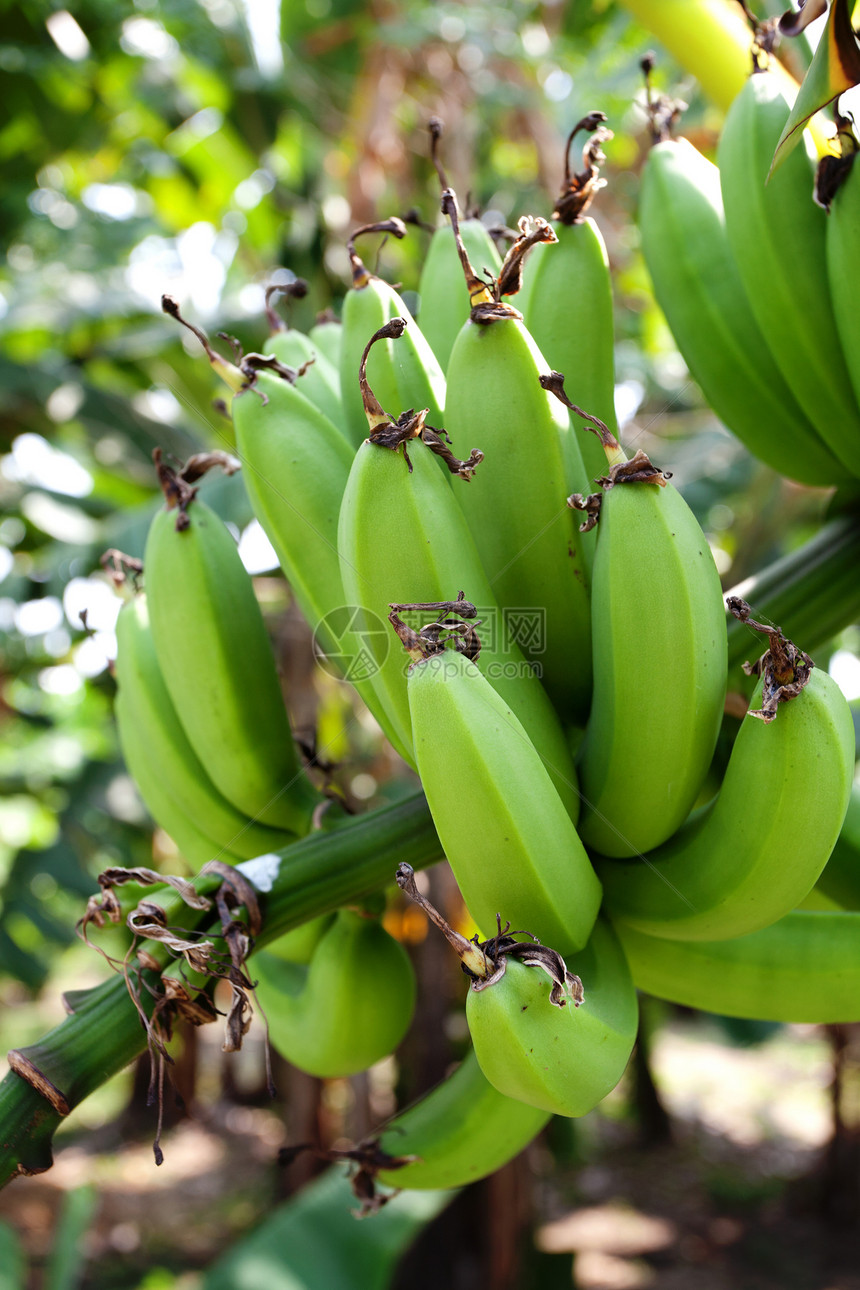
(470, 953)
(480, 292)
(226, 370)
(431, 638)
(361, 275)
(661, 111)
(484, 961)
(115, 563)
(533, 231)
(553, 383)
(832, 172)
(176, 484)
(783, 668)
(377, 417)
(580, 189)
(435, 127)
(296, 290)
(385, 432)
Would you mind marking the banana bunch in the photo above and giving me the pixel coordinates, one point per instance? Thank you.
(756, 282)
(557, 670)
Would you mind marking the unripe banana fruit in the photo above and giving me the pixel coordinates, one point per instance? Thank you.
(463, 1130)
(562, 1059)
(566, 297)
(700, 290)
(749, 857)
(659, 652)
(803, 968)
(318, 378)
(528, 544)
(777, 235)
(214, 653)
(504, 829)
(443, 294)
(173, 782)
(402, 538)
(560, 1047)
(349, 1008)
(405, 375)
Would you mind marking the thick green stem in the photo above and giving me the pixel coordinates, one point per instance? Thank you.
(105, 1032)
(812, 594)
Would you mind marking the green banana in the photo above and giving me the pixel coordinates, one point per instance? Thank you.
(503, 827)
(216, 659)
(658, 644)
(528, 543)
(566, 297)
(175, 780)
(462, 1130)
(350, 1006)
(803, 968)
(698, 286)
(441, 289)
(327, 335)
(296, 468)
(164, 808)
(407, 376)
(443, 294)
(298, 945)
(317, 377)
(843, 243)
(403, 539)
(539, 1048)
(529, 1042)
(777, 235)
(840, 878)
(749, 857)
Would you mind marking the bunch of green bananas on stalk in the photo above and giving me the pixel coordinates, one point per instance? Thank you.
(756, 280)
(533, 616)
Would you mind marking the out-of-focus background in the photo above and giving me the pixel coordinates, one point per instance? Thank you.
(207, 148)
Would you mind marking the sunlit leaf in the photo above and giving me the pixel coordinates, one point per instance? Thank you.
(834, 69)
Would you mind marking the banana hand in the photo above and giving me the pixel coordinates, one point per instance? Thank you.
(747, 859)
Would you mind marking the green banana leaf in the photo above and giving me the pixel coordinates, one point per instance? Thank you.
(834, 69)
(314, 1242)
(65, 1268)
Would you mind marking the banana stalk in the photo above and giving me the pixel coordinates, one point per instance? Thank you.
(315, 875)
